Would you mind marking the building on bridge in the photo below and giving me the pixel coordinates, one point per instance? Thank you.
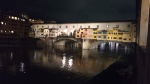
(112, 31)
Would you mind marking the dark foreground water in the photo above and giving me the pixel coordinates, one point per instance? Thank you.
(65, 65)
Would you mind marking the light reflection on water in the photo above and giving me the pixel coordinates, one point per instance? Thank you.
(88, 63)
(85, 62)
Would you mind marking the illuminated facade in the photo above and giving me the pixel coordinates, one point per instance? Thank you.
(14, 25)
(111, 31)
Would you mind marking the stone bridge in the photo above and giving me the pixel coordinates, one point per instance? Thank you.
(61, 40)
(84, 43)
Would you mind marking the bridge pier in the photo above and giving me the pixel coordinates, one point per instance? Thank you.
(86, 44)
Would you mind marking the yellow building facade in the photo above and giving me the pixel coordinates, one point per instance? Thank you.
(114, 34)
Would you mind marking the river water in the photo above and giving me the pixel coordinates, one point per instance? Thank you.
(57, 65)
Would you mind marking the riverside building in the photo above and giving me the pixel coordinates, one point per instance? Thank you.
(14, 25)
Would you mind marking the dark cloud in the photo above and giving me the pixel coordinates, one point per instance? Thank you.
(75, 10)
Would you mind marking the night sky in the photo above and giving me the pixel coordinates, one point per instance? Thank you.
(74, 10)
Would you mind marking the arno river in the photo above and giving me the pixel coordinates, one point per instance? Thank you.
(62, 64)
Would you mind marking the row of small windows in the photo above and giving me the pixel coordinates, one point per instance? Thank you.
(74, 26)
(2, 31)
(117, 26)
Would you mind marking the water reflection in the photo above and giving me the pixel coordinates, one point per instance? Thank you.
(117, 47)
(70, 63)
(85, 63)
(22, 69)
(11, 55)
(63, 61)
(102, 46)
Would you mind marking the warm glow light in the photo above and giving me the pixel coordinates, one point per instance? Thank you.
(2, 23)
(107, 26)
(12, 17)
(12, 31)
(65, 30)
(15, 18)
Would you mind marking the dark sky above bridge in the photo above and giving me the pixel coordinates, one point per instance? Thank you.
(74, 10)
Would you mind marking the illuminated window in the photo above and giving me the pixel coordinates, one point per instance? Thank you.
(15, 18)
(12, 17)
(2, 23)
(65, 31)
(12, 31)
(9, 16)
